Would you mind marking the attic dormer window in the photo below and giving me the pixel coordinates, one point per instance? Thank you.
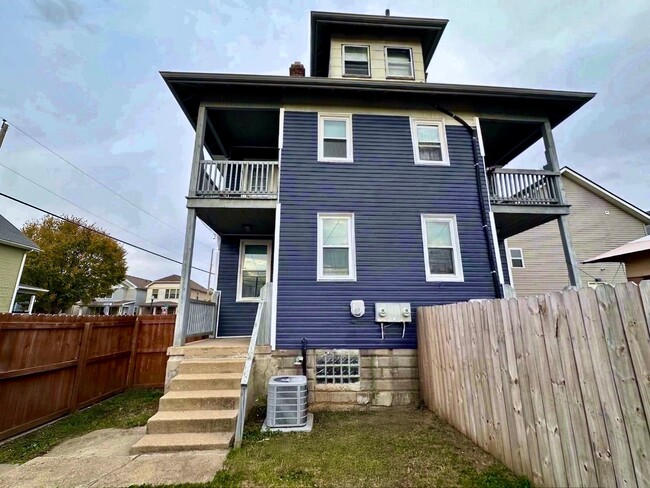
(399, 62)
(356, 61)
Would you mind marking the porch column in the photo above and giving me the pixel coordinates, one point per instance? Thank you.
(552, 164)
(183, 309)
(32, 299)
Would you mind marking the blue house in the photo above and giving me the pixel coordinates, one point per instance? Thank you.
(358, 194)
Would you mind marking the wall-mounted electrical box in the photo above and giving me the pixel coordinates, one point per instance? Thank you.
(392, 312)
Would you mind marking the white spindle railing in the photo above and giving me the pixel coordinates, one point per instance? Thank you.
(238, 179)
(260, 336)
(524, 187)
(202, 318)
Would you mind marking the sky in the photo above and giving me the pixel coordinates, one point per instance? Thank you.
(82, 77)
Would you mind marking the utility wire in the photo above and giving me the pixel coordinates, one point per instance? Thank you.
(96, 180)
(140, 248)
(83, 209)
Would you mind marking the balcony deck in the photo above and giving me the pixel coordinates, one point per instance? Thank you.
(236, 197)
(522, 199)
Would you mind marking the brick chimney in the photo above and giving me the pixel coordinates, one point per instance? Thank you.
(297, 69)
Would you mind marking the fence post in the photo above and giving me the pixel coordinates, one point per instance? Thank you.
(134, 352)
(81, 365)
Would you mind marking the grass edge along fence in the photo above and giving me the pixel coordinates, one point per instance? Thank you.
(556, 386)
(51, 365)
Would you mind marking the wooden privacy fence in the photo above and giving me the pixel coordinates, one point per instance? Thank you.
(555, 386)
(51, 365)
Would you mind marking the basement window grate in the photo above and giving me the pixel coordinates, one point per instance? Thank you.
(337, 368)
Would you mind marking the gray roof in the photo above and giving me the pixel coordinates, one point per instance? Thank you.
(11, 236)
(138, 282)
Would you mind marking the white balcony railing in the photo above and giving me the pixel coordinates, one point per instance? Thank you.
(238, 179)
(524, 187)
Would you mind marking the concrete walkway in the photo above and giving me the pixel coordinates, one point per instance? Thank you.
(102, 459)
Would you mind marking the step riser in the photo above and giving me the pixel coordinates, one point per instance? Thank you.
(192, 447)
(180, 384)
(182, 426)
(210, 368)
(215, 353)
(174, 404)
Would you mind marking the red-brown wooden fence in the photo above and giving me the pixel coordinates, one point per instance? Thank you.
(51, 365)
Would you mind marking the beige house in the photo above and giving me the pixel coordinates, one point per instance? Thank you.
(14, 246)
(162, 295)
(599, 221)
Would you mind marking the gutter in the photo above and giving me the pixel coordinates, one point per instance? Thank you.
(477, 171)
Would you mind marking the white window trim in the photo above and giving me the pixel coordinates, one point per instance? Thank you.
(458, 261)
(367, 48)
(443, 142)
(240, 266)
(352, 260)
(394, 77)
(521, 251)
(348, 135)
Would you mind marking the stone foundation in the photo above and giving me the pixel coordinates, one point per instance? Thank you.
(389, 377)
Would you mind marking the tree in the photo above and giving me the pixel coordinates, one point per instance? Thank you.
(75, 264)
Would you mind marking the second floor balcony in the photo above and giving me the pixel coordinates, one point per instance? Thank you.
(238, 179)
(524, 198)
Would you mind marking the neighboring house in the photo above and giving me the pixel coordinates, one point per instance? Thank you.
(362, 182)
(14, 246)
(635, 255)
(162, 295)
(126, 299)
(599, 222)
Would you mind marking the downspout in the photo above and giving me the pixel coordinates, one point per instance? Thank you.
(477, 171)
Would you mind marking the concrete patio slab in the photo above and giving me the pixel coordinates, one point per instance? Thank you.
(102, 443)
(6, 468)
(161, 469)
(101, 459)
(67, 472)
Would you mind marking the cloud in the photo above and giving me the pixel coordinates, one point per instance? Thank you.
(60, 13)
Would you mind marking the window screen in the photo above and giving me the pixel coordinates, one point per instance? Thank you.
(398, 62)
(335, 138)
(355, 61)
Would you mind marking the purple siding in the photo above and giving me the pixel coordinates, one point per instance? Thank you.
(387, 193)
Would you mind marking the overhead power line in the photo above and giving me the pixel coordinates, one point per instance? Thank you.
(121, 241)
(97, 181)
(83, 209)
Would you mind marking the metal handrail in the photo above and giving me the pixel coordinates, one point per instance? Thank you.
(262, 321)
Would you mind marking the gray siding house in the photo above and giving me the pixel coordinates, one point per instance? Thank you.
(599, 221)
(363, 182)
(127, 298)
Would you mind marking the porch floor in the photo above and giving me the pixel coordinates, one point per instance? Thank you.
(221, 342)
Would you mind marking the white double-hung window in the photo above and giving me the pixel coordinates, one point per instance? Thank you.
(335, 138)
(442, 258)
(399, 62)
(336, 252)
(254, 269)
(429, 142)
(516, 257)
(356, 61)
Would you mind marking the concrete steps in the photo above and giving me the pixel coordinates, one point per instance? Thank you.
(200, 400)
(199, 410)
(152, 443)
(201, 366)
(206, 381)
(191, 421)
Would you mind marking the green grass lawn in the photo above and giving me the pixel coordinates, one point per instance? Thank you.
(129, 409)
(385, 448)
